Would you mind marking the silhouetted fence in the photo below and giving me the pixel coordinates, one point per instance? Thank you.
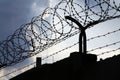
(51, 28)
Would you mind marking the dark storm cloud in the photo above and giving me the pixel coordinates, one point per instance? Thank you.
(14, 13)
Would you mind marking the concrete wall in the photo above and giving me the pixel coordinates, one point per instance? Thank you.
(76, 67)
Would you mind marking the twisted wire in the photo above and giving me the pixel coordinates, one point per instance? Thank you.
(110, 51)
(51, 27)
(104, 35)
(99, 36)
(101, 47)
(71, 47)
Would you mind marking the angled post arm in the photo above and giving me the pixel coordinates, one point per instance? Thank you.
(82, 36)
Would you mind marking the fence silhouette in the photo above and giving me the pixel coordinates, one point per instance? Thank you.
(51, 28)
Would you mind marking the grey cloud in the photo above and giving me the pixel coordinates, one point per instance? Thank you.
(42, 3)
(14, 13)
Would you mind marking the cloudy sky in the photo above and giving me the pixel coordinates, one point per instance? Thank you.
(14, 13)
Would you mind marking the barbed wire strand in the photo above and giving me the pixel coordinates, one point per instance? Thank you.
(113, 50)
(73, 46)
(108, 45)
(33, 38)
(40, 34)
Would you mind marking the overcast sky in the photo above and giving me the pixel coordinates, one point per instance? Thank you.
(14, 13)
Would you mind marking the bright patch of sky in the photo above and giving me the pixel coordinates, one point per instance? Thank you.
(12, 15)
(37, 7)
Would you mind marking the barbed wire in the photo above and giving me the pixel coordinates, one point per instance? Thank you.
(98, 36)
(42, 33)
(18, 69)
(52, 55)
(101, 47)
(110, 51)
(103, 35)
(61, 50)
(51, 27)
(73, 46)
